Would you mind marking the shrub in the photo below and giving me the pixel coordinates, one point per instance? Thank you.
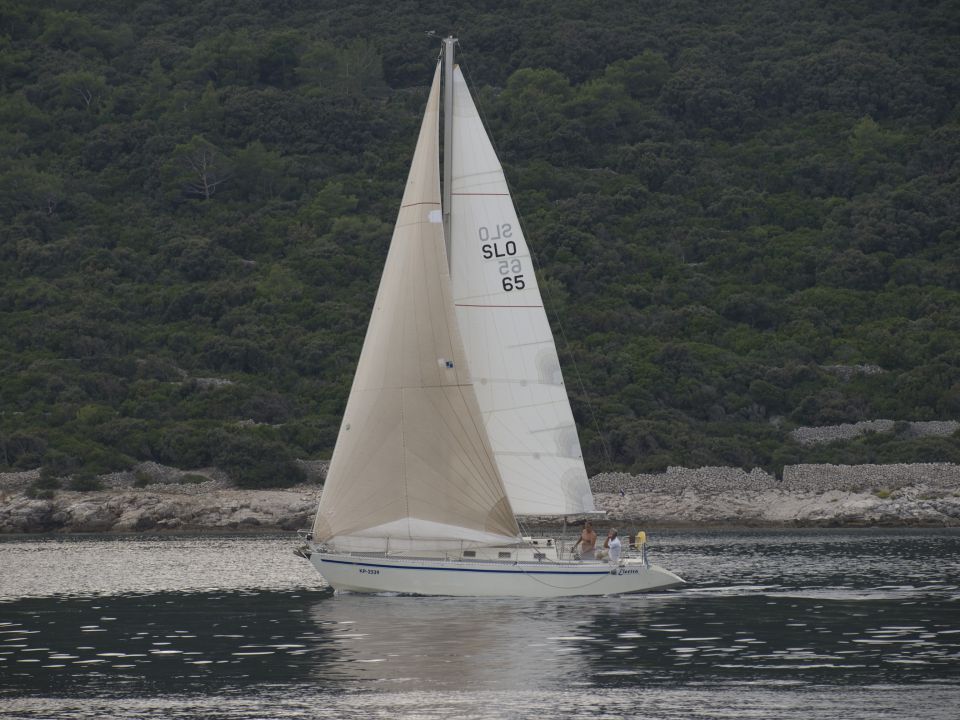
(21, 451)
(39, 493)
(192, 479)
(184, 445)
(84, 482)
(254, 460)
(57, 464)
(47, 482)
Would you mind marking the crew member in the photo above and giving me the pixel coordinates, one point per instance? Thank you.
(587, 541)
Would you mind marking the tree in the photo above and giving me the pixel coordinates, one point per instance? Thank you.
(23, 187)
(355, 69)
(82, 88)
(258, 173)
(197, 169)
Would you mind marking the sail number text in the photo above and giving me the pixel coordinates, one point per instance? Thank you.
(495, 244)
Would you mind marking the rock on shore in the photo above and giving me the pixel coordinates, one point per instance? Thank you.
(808, 495)
(154, 497)
(150, 510)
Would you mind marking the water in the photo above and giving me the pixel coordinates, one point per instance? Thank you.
(799, 624)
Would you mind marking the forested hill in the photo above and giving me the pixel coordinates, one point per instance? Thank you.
(745, 213)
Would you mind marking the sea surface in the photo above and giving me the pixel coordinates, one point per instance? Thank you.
(772, 624)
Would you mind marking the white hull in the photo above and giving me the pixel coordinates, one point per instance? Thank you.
(481, 578)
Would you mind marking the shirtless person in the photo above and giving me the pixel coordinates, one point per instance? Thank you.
(587, 541)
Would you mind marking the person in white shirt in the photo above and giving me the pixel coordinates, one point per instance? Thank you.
(611, 548)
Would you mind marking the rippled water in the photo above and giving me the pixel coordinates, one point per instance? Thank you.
(812, 624)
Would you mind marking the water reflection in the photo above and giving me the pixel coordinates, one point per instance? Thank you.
(430, 643)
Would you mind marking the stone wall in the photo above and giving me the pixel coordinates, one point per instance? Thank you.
(675, 479)
(15, 481)
(808, 477)
(845, 431)
(826, 477)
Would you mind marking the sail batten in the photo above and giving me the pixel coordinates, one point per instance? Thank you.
(506, 334)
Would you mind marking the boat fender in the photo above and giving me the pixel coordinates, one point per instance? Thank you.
(642, 546)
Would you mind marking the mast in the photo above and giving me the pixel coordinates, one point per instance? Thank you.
(448, 44)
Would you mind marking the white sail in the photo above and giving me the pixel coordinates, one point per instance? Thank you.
(412, 468)
(509, 344)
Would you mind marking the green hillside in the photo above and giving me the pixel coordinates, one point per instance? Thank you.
(726, 199)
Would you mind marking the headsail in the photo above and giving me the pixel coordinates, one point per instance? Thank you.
(412, 461)
(505, 331)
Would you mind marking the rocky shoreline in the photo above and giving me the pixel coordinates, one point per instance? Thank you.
(896, 495)
(153, 498)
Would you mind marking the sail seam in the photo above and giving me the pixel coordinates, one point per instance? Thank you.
(531, 453)
(445, 385)
(497, 306)
(419, 203)
(525, 406)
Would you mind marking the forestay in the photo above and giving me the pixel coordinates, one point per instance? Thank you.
(506, 334)
(412, 468)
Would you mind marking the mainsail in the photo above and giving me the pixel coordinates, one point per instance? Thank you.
(509, 344)
(412, 468)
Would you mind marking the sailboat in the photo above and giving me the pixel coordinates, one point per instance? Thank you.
(458, 420)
